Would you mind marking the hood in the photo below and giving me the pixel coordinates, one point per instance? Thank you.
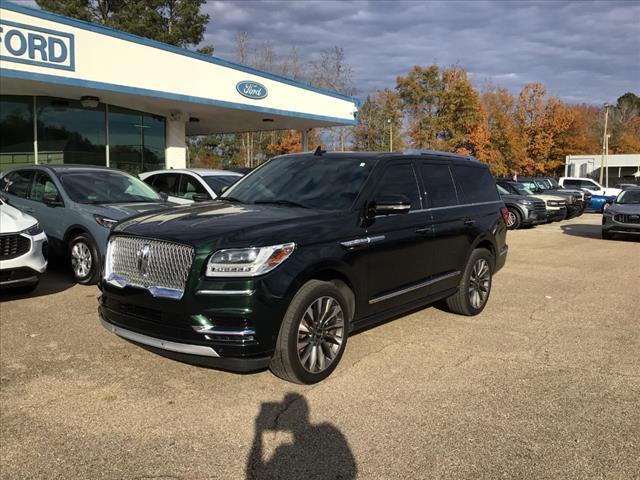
(120, 211)
(629, 209)
(13, 220)
(237, 224)
(515, 198)
(545, 198)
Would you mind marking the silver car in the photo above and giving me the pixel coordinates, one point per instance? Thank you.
(77, 205)
(623, 216)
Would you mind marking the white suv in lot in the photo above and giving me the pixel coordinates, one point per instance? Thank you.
(589, 184)
(23, 249)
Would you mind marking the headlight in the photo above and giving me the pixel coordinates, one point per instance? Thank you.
(554, 203)
(524, 201)
(104, 221)
(34, 230)
(248, 262)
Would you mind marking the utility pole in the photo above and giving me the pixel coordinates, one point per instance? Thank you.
(604, 142)
(390, 135)
(606, 162)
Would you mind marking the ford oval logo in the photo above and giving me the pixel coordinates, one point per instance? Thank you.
(253, 90)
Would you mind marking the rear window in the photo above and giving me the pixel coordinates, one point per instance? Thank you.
(476, 183)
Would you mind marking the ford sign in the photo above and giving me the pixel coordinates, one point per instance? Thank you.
(21, 43)
(253, 90)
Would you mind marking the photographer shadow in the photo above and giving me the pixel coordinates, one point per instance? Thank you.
(318, 451)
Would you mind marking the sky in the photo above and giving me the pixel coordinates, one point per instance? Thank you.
(584, 52)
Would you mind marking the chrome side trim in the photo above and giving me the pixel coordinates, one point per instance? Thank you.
(466, 205)
(234, 332)
(159, 343)
(363, 241)
(225, 292)
(413, 287)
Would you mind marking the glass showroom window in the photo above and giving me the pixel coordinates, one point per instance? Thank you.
(70, 133)
(16, 131)
(136, 140)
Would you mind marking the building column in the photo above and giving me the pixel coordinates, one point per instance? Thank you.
(176, 151)
(305, 140)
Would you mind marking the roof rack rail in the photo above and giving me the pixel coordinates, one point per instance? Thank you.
(437, 153)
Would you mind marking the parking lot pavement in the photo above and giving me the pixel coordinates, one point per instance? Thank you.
(545, 383)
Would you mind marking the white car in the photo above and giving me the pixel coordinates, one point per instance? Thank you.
(589, 184)
(23, 249)
(192, 185)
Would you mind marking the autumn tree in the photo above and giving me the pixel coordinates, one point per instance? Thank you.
(380, 119)
(625, 121)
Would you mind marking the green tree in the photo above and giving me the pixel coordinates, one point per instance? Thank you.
(176, 22)
(379, 116)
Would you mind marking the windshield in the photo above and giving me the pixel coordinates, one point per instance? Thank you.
(501, 190)
(529, 186)
(310, 182)
(218, 182)
(629, 197)
(104, 186)
(522, 190)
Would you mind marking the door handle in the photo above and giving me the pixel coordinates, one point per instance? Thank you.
(469, 221)
(424, 230)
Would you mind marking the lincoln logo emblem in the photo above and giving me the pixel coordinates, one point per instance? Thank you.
(143, 259)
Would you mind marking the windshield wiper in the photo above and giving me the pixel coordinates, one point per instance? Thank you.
(231, 199)
(288, 203)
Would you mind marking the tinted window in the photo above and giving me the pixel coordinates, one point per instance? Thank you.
(103, 186)
(42, 185)
(311, 181)
(166, 183)
(218, 182)
(476, 183)
(190, 186)
(438, 183)
(16, 131)
(400, 180)
(589, 185)
(18, 183)
(572, 183)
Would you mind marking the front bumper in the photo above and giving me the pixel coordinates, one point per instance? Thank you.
(556, 215)
(534, 218)
(610, 225)
(27, 268)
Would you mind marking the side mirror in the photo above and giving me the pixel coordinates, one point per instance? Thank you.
(163, 196)
(390, 205)
(52, 200)
(201, 197)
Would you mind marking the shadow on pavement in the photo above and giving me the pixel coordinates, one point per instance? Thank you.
(317, 451)
(593, 231)
(56, 279)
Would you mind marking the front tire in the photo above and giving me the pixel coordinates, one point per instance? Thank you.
(84, 260)
(475, 285)
(313, 334)
(514, 220)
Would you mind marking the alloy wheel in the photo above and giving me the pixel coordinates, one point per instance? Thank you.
(81, 260)
(511, 219)
(320, 334)
(479, 283)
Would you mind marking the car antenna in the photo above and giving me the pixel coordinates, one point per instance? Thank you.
(319, 151)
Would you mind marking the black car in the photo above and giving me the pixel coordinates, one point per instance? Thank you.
(301, 252)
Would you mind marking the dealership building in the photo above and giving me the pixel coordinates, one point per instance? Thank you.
(77, 92)
(619, 168)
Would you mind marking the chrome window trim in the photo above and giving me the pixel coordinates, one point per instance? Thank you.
(466, 205)
(397, 293)
(225, 292)
(159, 343)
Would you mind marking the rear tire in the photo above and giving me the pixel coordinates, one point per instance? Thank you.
(514, 220)
(313, 334)
(84, 260)
(475, 285)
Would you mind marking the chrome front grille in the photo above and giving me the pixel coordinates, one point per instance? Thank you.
(158, 266)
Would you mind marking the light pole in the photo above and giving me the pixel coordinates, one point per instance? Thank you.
(604, 142)
(390, 135)
(606, 161)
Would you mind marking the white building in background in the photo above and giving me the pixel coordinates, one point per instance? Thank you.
(77, 92)
(621, 168)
